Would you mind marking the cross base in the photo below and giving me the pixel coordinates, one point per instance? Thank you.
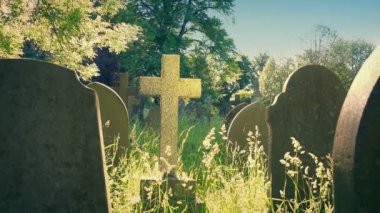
(180, 194)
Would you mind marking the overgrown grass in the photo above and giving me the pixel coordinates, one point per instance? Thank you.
(226, 181)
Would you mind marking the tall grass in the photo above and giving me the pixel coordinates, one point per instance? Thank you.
(227, 180)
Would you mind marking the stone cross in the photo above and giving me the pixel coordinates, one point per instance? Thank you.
(170, 87)
(126, 92)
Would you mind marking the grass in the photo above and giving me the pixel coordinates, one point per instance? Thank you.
(226, 181)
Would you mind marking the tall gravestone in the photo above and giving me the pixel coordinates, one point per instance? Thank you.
(114, 116)
(51, 148)
(357, 143)
(231, 115)
(246, 121)
(307, 109)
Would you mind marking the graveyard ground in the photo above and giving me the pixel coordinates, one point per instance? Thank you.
(257, 63)
(226, 184)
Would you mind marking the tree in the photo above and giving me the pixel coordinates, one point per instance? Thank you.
(67, 32)
(347, 57)
(344, 57)
(259, 63)
(248, 73)
(217, 81)
(273, 77)
(184, 27)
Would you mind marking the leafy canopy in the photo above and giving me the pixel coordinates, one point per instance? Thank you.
(344, 57)
(67, 31)
(186, 27)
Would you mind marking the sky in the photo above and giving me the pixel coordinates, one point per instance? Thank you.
(283, 28)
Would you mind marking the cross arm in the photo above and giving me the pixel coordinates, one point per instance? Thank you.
(150, 86)
(190, 88)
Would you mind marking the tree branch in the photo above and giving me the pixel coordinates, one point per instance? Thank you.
(185, 20)
(146, 5)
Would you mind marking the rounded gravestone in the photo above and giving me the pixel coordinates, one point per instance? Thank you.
(308, 110)
(356, 152)
(230, 116)
(51, 152)
(247, 120)
(114, 116)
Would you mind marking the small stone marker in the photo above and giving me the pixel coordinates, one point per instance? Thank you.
(170, 87)
(51, 152)
(114, 116)
(236, 100)
(307, 109)
(247, 120)
(231, 115)
(357, 143)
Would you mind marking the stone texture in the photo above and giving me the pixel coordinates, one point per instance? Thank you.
(307, 109)
(114, 116)
(170, 87)
(231, 115)
(357, 143)
(246, 120)
(51, 152)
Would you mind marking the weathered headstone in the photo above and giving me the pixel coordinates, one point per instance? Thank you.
(231, 115)
(357, 143)
(307, 109)
(170, 87)
(114, 116)
(247, 120)
(51, 152)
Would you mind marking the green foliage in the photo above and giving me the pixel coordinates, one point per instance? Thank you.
(315, 181)
(258, 65)
(344, 57)
(273, 77)
(225, 181)
(260, 61)
(245, 95)
(68, 31)
(184, 27)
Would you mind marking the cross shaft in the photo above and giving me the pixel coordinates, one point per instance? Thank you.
(170, 87)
